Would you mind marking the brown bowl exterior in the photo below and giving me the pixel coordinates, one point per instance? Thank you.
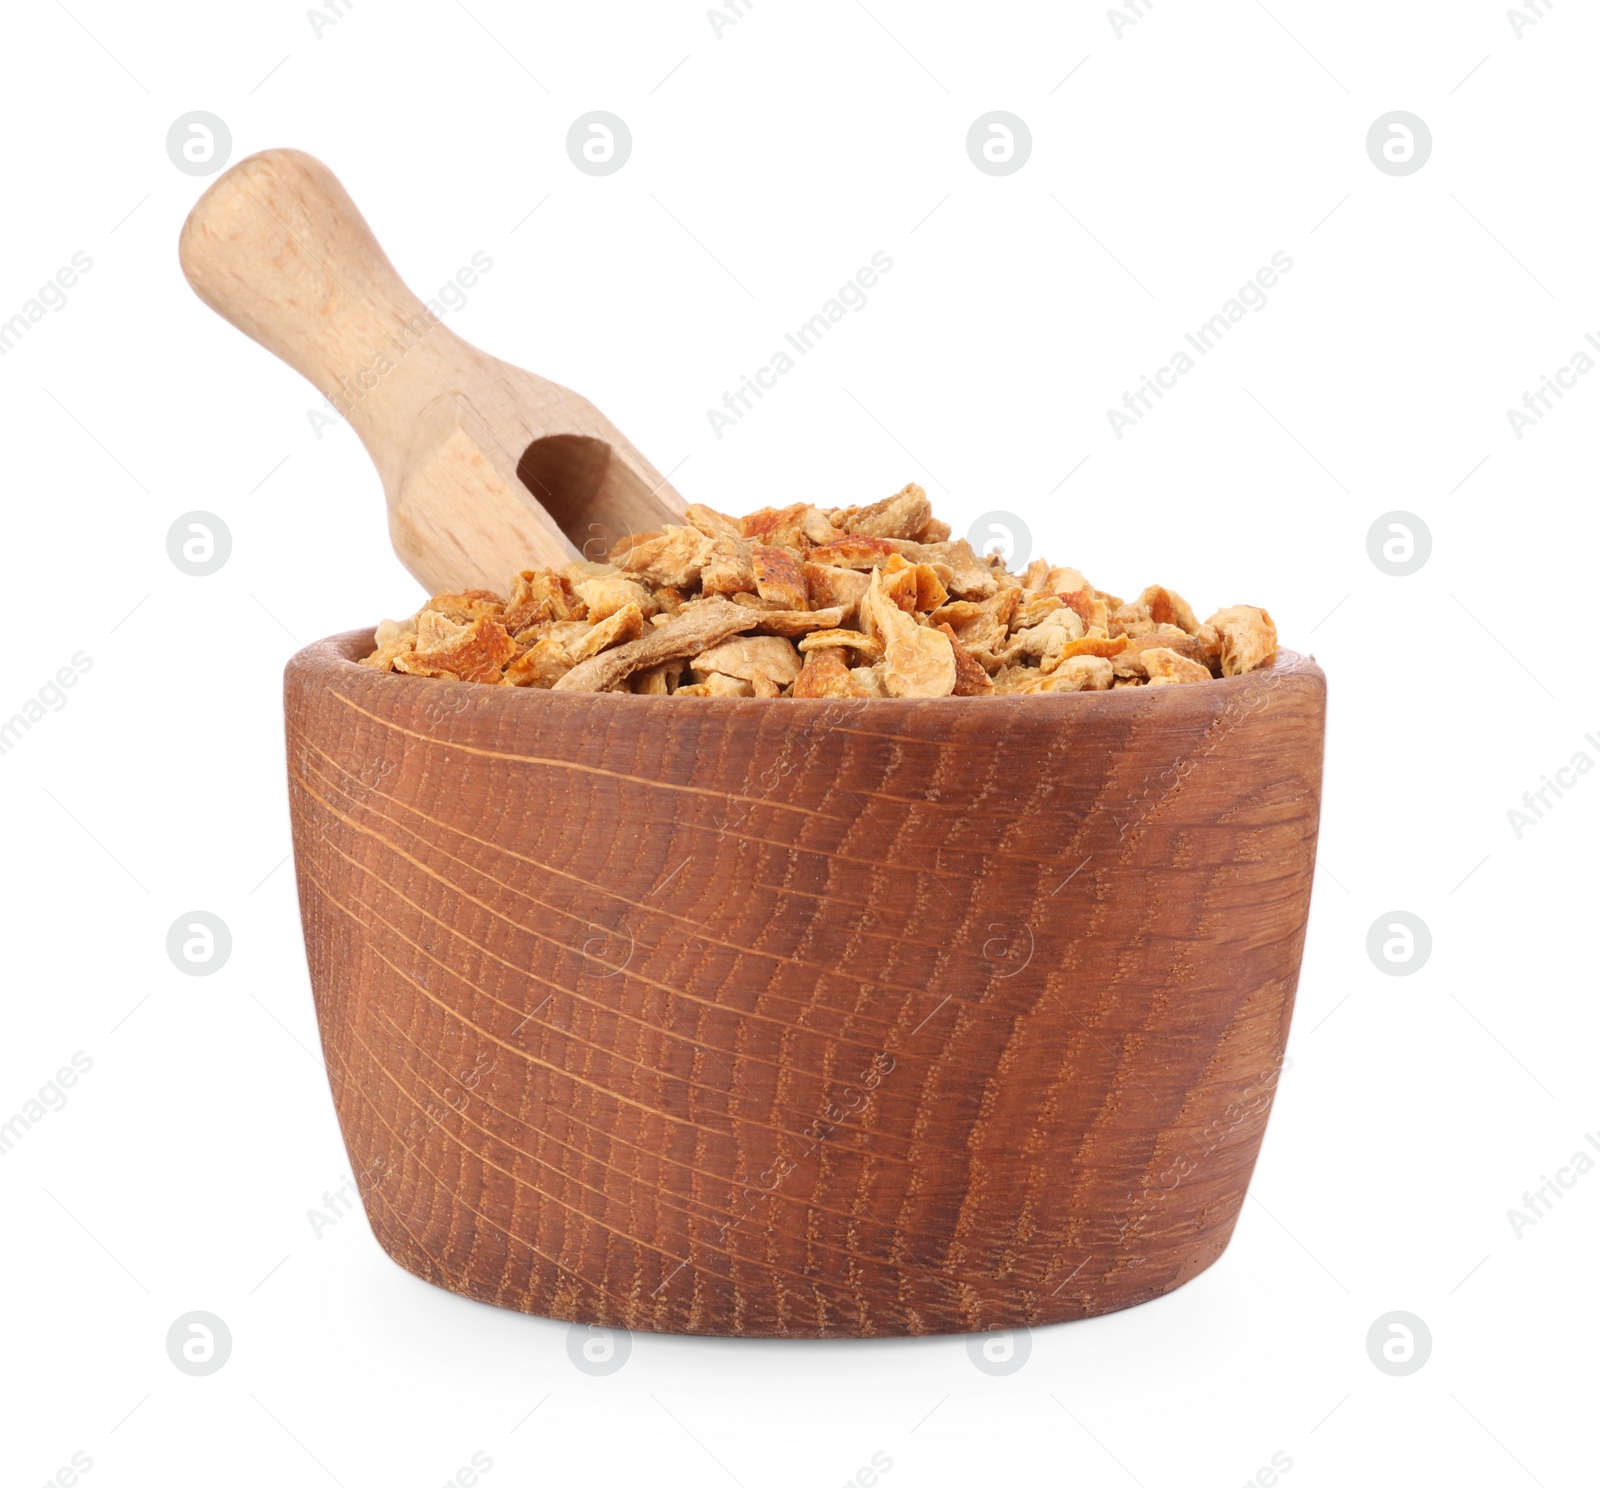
(802, 1018)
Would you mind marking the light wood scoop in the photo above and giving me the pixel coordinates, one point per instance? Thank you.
(486, 468)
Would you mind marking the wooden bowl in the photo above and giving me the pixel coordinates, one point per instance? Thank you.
(802, 1018)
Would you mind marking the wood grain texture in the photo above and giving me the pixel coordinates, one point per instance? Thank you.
(813, 1019)
(478, 458)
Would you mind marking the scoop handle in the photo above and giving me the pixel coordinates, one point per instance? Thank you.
(277, 247)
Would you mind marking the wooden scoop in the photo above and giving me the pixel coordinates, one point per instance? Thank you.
(486, 468)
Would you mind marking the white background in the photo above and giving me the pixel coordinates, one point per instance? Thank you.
(768, 164)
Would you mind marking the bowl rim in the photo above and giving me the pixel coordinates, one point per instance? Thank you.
(337, 655)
